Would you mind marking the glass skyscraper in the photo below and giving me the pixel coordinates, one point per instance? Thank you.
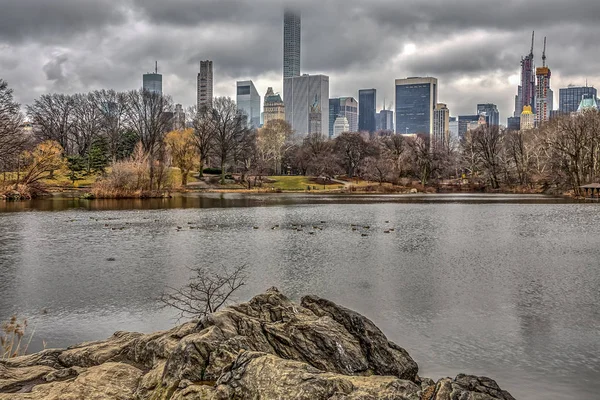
(291, 44)
(306, 101)
(569, 98)
(152, 83)
(367, 101)
(343, 107)
(416, 99)
(248, 102)
(490, 110)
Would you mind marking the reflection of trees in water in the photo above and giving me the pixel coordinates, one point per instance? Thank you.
(534, 317)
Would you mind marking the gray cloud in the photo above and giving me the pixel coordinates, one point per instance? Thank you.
(472, 48)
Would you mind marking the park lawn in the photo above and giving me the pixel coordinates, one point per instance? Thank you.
(298, 182)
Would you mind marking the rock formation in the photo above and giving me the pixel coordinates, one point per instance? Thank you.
(267, 348)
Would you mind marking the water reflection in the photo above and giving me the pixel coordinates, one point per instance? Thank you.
(487, 285)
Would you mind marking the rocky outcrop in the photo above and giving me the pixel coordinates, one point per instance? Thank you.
(269, 348)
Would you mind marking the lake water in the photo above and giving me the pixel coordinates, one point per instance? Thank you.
(496, 285)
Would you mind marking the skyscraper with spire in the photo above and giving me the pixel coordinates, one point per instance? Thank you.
(152, 82)
(544, 95)
(291, 44)
(526, 96)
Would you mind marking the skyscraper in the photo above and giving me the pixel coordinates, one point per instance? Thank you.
(491, 113)
(205, 85)
(385, 120)
(344, 107)
(306, 101)
(527, 118)
(340, 125)
(415, 101)
(543, 93)
(248, 102)
(569, 98)
(527, 97)
(441, 125)
(178, 117)
(291, 44)
(367, 101)
(152, 82)
(273, 107)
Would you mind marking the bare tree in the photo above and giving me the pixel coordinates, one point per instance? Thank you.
(274, 139)
(150, 115)
(12, 139)
(230, 127)
(204, 135)
(206, 292)
(52, 117)
(487, 142)
(352, 149)
(112, 107)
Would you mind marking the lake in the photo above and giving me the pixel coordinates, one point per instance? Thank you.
(497, 285)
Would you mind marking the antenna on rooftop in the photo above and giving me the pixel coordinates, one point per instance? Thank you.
(156, 67)
(544, 53)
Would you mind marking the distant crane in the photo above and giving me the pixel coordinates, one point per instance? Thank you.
(532, 39)
(544, 53)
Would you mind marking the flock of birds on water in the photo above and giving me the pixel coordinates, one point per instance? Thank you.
(362, 229)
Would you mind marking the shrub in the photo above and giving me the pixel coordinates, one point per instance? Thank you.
(212, 171)
(12, 335)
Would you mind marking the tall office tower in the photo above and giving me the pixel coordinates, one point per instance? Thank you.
(453, 129)
(518, 103)
(465, 122)
(340, 125)
(569, 98)
(345, 107)
(441, 126)
(291, 44)
(543, 93)
(179, 118)
(306, 101)
(248, 102)
(205, 85)
(416, 99)
(386, 120)
(273, 107)
(491, 113)
(367, 101)
(513, 123)
(152, 82)
(528, 80)
(527, 118)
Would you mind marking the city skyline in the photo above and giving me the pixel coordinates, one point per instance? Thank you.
(387, 42)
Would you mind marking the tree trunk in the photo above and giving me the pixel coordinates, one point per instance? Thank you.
(184, 177)
(201, 172)
(222, 172)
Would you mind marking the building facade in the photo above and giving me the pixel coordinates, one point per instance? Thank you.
(491, 113)
(543, 95)
(179, 118)
(465, 123)
(367, 102)
(527, 97)
(344, 107)
(453, 129)
(385, 120)
(205, 85)
(441, 125)
(527, 118)
(291, 44)
(569, 98)
(248, 102)
(152, 82)
(273, 107)
(340, 126)
(416, 99)
(306, 101)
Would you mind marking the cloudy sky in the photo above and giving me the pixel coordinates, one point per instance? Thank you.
(472, 47)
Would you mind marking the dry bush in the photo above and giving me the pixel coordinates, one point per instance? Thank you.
(12, 338)
(131, 178)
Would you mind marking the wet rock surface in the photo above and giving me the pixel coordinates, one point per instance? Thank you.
(267, 348)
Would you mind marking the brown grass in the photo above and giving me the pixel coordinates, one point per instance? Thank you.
(12, 338)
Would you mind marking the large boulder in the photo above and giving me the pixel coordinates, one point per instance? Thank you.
(269, 347)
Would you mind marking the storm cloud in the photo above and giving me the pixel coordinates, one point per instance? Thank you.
(472, 47)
